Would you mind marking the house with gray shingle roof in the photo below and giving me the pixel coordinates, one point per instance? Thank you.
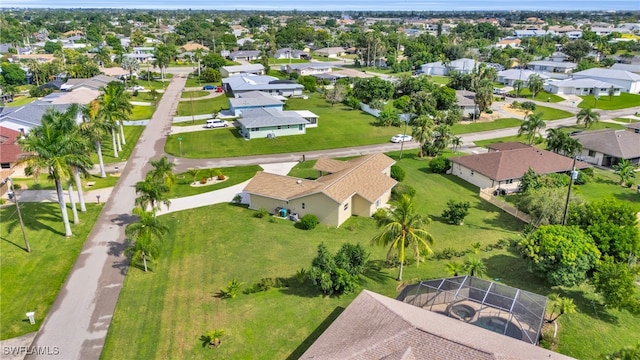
(246, 55)
(256, 69)
(581, 87)
(268, 122)
(243, 83)
(307, 69)
(25, 118)
(253, 100)
(503, 167)
(288, 53)
(607, 147)
(628, 81)
(357, 187)
(95, 83)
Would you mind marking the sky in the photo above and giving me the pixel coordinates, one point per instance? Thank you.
(340, 5)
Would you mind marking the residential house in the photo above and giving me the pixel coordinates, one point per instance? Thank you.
(25, 118)
(503, 166)
(551, 66)
(374, 326)
(238, 30)
(10, 151)
(628, 81)
(607, 147)
(143, 58)
(4, 49)
(581, 87)
(358, 187)
(53, 85)
(634, 68)
(330, 52)
(521, 34)
(604, 31)
(143, 49)
(511, 42)
(116, 72)
(96, 83)
(253, 100)
(307, 68)
(508, 77)
(256, 69)
(439, 68)
(244, 55)
(289, 53)
(192, 47)
(39, 58)
(467, 103)
(271, 123)
(238, 84)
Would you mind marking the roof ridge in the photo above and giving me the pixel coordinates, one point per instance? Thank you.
(367, 158)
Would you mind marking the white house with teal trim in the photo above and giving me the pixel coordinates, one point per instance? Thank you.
(253, 100)
(272, 123)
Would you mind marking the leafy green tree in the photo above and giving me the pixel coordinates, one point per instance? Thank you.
(484, 95)
(560, 254)
(388, 117)
(529, 181)
(545, 205)
(51, 47)
(456, 211)
(531, 126)
(210, 75)
(612, 224)
(372, 88)
(213, 61)
(454, 268)
(337, 94)
(577, 49)
(588, 117)
(131, 65)
(560, 142)
(401, 228)
(475, 267)
(615, 282)
(560, 306)
(333, 278)
(309, 83)
(626, 353)
(13, 74)
(625, 170)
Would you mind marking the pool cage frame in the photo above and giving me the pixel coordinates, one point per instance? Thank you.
(500, 308)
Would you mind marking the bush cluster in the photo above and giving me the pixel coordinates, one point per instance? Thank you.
(439, 165)
(309, 222)
(338, 274)
(397, 173)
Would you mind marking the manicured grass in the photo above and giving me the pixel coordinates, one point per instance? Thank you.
(625, 100)
(195, 94)
(206, 106)
(156, 84)
(196, 82)
(141, 112)
(552, 114)
(274, 61)
(484, 143)
(20, 101)
(324, 58)
(626, 120)
(442, 80)
(338, 127)
(541, 96)
(176, 304)
(235, 175)
(131, 135)
(486, 126)
(31, 281)
(146, 96)
(189, 123)
(45, 184)
(599, 126)
(605, 184)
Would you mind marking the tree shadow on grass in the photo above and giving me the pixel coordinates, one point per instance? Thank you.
(373, 271)
(12, 243)
(632, 196)
(35, 218)
(306, 289)
(594, 308)
(297, 353)
(502, 221)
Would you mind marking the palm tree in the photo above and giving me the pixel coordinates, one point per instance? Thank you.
(116, 107)
(535, 85)
(625, 170)
(151, 194)
(454, 268)
(94, 128)
(484, 95)
(531, 126)
(560, 142)
(401, 228)
(517, 86)
(561, 305)
(163, 172)
(52, 150)
(141, 235)
(475, 267)
(588, 117)
(456, 142)
(131, 65)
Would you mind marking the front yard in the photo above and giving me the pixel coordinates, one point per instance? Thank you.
(131, 135)
(625, 100)
(204, 106)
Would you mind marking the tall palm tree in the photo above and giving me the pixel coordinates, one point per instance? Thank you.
(142, 235)
(422, 131)
(560, 142)
(131, 65)
(588, 117)
(94, 128)
(116, 107)
(151, 194)
(402, 228)
(163, 172)
(51, 150)
(532, 124)
(475, 267)
(536, 85)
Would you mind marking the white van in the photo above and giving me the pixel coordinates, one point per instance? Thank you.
(215, 123)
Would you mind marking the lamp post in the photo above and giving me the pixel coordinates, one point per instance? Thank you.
(566, 203)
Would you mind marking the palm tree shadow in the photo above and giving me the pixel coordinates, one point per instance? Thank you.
(12, 243)
(117, 249)
(34, 219)
(124, 219)
(373, 271)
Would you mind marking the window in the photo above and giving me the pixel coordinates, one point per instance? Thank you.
(510, 181)
(302, 206)
(471, 173)
(377, 203)
(300, 127)
(592, 153)
(254, 129)
(346, 206)
(279, 127)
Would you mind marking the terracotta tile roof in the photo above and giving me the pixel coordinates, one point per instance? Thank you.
(362, 176)
(512, 164)
(619, 143)
(9, 150)
(374, 326)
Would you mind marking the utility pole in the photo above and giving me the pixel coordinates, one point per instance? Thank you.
(15, 197)
(402, 143)
(566, 203)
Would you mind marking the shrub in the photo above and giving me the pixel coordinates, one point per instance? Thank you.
(301, 275)
(231, 290)
(515, 105)
(338, 274)
(456, 211)
(488, 111)
(440, 165)
(381, 213)
(528, 105)
(402, 189)
(203, 180)
(219, 175)
(352, 102)
(237, 199)
(308, 222)
(261, 213)
(397, 173)
(581, 179)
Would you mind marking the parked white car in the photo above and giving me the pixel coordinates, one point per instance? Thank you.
(401, 138)
(215, 123)
(136, 88)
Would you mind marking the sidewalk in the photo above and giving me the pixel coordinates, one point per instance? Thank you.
(52, 196)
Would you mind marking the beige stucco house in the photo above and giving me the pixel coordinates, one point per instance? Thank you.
(355, 187)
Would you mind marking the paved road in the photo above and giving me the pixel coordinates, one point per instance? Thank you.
(78, 321)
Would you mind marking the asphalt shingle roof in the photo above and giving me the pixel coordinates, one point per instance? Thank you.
(608, 73)
(623, 144)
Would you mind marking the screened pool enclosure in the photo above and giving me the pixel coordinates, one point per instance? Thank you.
(496, 307)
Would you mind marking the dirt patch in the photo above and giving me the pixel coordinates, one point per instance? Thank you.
(482, 118)
(517, 112)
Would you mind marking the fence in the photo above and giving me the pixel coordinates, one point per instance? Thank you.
(487, 194)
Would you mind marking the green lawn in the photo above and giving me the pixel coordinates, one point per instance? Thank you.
(146, 96)
(189, 123)
(541, 96)
(156, 84)
(626, 120)
(484, 143)
(274, 61)
(486, 126)
(196, 82)
(20, 101)
(625, 100)
(131, 135)
(141, 112)
(605, 184)
(324, 58)
(195, 94)
(31, 281)
(235, 175)
(552, 114)
(442, 80)
(599, 126)
(176, 304)
(338, 127)
(45, 184)
(205, 106)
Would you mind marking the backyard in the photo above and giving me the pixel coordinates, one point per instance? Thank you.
(176, 304)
